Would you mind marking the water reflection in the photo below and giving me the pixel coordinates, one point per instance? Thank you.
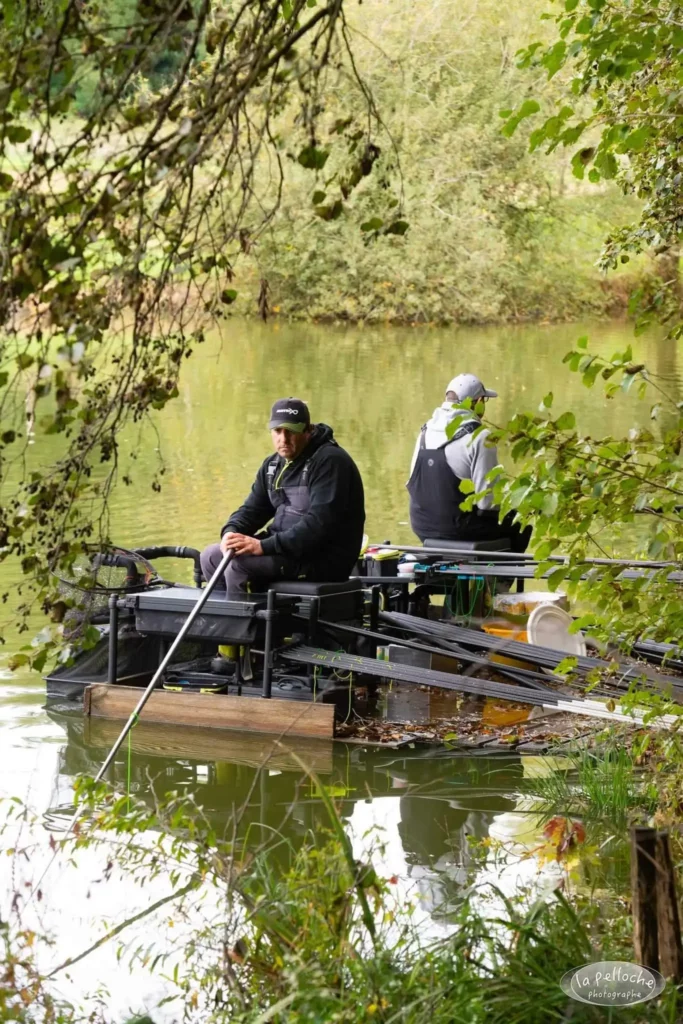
(420, 806)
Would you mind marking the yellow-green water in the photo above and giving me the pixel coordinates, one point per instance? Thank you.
(375, 387)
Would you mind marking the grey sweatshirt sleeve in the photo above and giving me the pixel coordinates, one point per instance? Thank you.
(414, 458)
(471, 458)
(483, 458)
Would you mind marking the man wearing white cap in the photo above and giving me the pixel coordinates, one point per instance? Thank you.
(440, 463)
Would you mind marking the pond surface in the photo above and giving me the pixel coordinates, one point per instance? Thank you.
(375, 388)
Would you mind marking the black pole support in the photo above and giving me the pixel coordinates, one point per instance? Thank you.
(313, 616)
(112, 668)
(374, 607)
(268, 646)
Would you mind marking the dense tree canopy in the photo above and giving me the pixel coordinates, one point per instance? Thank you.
(130, 134)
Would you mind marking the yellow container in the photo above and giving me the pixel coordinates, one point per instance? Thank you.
(507, 632)
(523, 604)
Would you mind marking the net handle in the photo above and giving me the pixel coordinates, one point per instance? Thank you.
(171, 551)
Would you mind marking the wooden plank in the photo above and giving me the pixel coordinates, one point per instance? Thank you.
(176, 741)
(215, 711)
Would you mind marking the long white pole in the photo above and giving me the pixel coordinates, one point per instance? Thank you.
(205, 594)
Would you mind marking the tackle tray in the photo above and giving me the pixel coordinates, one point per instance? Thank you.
(165, 612)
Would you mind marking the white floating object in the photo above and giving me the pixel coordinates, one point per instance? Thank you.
(548, 626)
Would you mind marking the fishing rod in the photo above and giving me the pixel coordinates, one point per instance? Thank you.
(134, 715)
(205, 594)
(467, 554)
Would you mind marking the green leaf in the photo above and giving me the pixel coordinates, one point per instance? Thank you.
(18, 661)
(556, 577)
(24, 360)
(38, 663)
(228, 296)
(16, 133)
(554, 58)
(636, 140)
(548, 400)
(318, 197)
(550, 502)
(566, 421)
(467, 486)
(397, 227)
(374, 224)
(528, 108)
(312, 158)
(330, 211)
(582, 342)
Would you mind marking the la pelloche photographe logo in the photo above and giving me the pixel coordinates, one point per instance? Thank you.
(612, 983)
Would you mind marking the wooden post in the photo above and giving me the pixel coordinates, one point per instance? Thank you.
(669, 927)
(644, 896)
(656, 921)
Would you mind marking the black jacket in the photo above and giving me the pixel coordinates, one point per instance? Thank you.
(316, 506)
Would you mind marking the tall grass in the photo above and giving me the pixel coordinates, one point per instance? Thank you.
(324, 938)
(602, 786)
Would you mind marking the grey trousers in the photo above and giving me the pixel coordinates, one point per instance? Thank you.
(259, 570)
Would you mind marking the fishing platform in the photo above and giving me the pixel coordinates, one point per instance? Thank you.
(302, 657)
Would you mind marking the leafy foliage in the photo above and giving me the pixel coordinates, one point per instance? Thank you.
(622, 118)
(583, 494)
(121, 219)
(263, 944)
(495, 233)
(591, 496)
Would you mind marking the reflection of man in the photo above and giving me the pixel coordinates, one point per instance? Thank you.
(440, 463)
(311, 493)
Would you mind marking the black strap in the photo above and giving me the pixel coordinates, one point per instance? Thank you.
(467, 428)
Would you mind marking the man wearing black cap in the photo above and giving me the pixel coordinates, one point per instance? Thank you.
(311, 494)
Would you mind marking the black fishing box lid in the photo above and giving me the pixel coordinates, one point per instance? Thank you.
(165, 611)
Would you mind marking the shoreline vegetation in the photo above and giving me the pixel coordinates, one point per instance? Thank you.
(491, 232)
(251, 932)
(494, 233)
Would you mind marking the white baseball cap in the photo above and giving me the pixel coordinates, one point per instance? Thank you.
(466, 385)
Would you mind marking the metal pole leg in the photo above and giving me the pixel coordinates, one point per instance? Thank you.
(112, 667)
(268, 646)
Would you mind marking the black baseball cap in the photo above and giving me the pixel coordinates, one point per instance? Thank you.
(291, 413)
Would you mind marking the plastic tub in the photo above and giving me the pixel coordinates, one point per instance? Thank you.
(506, 632)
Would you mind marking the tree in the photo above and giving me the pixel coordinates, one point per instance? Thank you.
(623, 116)
(119, 226)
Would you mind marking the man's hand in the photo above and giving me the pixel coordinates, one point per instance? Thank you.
(241, 544)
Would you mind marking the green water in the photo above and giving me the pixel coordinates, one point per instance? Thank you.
(375, 388)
